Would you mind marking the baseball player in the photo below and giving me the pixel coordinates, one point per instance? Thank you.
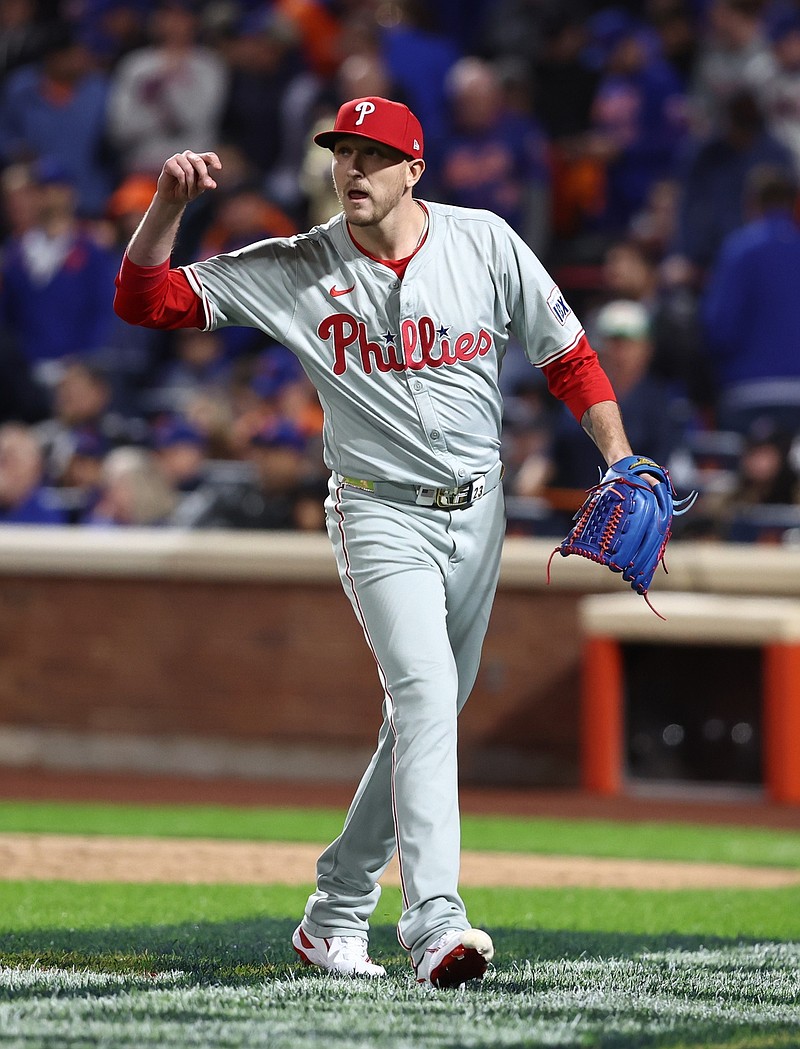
(400, 311)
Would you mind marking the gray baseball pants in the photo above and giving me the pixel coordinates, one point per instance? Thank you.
(422, 582)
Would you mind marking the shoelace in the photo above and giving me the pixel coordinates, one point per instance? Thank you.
(437, 943)
(348, 949)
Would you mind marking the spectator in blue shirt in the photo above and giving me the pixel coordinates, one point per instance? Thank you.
(180, 450)
(494, 158)
(639, 118)
(418, 57)
(54, 296)
(56, 108)
(751, 310)
(23, 494)
(713, 173)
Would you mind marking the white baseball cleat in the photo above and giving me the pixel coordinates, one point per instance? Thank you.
(338, 954)
(456, 956)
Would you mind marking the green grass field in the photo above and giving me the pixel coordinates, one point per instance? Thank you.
(210, 966)
(663, 841)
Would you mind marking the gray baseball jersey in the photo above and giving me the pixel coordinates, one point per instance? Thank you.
(407, 373)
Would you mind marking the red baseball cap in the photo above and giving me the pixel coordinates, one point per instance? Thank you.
(390, 123)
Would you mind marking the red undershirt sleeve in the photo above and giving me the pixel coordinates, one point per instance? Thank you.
(157, 297)
(578, 379)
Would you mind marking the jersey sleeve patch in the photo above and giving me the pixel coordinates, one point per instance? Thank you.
(558, 306)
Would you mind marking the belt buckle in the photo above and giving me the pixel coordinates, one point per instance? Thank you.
(462, 497)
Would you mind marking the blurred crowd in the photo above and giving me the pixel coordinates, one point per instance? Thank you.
(649, 152)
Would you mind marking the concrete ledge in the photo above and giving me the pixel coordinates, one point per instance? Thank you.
(167, 553)
(184, 755)
(308, 558)
(692, 619)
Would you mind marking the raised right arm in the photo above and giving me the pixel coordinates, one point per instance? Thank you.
(148, 292)
(184, 177)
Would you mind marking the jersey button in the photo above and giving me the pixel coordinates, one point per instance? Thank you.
(461, 471)
(417, 385)
(435, 435)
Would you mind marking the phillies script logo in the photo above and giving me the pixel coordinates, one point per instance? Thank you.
(421, 345)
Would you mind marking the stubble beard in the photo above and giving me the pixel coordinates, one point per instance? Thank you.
(376, 213)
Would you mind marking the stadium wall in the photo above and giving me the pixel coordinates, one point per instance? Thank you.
(231, 653)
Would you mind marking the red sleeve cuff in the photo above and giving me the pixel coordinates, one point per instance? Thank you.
(578, 379)
(157, 297)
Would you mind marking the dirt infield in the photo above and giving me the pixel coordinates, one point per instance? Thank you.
(203, 861)
(84, 858)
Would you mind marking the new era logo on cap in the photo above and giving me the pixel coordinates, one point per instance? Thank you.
(380, 119)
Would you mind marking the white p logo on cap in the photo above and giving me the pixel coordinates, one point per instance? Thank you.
(364, 109)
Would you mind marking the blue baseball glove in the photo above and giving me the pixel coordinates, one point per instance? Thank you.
(625, 522)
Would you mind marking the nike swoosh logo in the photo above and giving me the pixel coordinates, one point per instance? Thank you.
(336, 292)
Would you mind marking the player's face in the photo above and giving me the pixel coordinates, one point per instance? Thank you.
(370, 179)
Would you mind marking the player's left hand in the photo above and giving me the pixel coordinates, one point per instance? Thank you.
(626, 521)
